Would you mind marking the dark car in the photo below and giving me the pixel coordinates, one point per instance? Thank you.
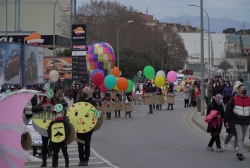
(187, 72)
(12, 65)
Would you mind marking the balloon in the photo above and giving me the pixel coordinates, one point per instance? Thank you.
(103, 88)
(171, 76)
(110, 82)
(95, 71)
(159, 81)
(130, 86)
(100, 56)
(98, 78)
(161, 73)
(122, 84)
(116, 72)
(149, 72)
(116, 88)
(54, 75)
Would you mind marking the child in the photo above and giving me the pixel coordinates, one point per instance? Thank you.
(117, 112)
(107, 97)
(58, 132)
(129, 100)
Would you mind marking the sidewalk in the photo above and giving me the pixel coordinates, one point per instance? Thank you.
(200, 122)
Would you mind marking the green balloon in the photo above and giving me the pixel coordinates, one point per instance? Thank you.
(130, 86)
(149, 72)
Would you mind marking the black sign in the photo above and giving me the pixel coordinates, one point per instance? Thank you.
(79, 37)
(79, 69)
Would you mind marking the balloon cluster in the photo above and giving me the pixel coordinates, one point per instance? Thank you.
(160, 76)
(100, 65)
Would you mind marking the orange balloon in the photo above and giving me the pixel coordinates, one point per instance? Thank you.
(122, 84)
(116, 72)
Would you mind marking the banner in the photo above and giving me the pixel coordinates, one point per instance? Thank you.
(62, 64)
(33, 65)
(10, 61)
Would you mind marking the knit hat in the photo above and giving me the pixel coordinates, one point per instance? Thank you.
(218, 98)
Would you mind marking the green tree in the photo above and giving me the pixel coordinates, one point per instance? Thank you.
(229, 30)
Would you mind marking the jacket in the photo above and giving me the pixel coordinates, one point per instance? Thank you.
(229, 118)
(227, 91)
(187, 93)
(220, 109)
(239, 109)
(192, 94)
(66, 124)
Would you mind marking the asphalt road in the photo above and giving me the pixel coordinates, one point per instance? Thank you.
(163, 139)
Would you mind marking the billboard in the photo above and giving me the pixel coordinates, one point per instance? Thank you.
(33, 65)
(78, 37)
(62, 64)
(10, 62)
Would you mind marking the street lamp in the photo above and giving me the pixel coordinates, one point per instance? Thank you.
(54, 36)
(162, 55)
(117, 46)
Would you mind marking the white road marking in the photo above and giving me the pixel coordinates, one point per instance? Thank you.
(102, 158)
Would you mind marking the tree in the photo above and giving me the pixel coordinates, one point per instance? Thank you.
(229, 30)
(225, 65)
(65, 52)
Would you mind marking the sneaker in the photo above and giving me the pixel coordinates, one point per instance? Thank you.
(210, 148)
(224, 146)
(240, 156)
(80, 163)
(85, 163)
(219, 150)
(236, 149)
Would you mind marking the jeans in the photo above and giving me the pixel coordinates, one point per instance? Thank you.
(151, 108)
(56, 148)
(215, 138)
(241, 133)
(84, 153)
(229, 137)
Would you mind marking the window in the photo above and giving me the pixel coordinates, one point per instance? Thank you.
(240, 66)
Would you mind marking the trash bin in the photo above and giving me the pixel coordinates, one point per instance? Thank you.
(198, 100)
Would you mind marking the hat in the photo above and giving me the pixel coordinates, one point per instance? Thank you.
(218, 98)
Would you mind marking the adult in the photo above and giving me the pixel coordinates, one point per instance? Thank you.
(217, 89)
(84, 153)
(192, 96)
(186, 95)
(208, 94)
(239, 108)
(227, 92)
(170, 97)
(150, 88)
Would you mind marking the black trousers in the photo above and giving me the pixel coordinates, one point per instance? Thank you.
(215, 138)
(117, 112)
(56, 148)
(45, 141)
(84, 153)
(186, 102)
(128, 113)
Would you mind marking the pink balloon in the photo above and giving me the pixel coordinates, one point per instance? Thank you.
(171, 76)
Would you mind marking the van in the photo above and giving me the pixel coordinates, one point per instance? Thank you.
(180, 77)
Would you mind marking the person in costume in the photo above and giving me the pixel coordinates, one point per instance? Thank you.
(108, 98)
(84, 149)
(47, 104)
(58, 132)
(128, 96)
(118, 99)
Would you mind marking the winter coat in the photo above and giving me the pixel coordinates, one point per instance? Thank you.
(217, 90)
(229, 118)
(220, 109)
(227, 91)
(192, 94)
(209, 92)
(187, 93)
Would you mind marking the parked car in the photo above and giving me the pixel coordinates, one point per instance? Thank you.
(60, 65)
(187, 72)
(12, 65)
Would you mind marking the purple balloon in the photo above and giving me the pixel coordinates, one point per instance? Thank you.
(171, 76)
(96, 70)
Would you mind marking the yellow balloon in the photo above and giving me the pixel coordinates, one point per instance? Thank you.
(82, 116)
(116, 88)
(43, 119)
(57, 132)
(159, 81)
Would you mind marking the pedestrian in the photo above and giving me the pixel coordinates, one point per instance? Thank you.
(208, 94)
(239, 108)
(129, 99)
(215, 130)
(192, 94)
(108, 98)
(217, 89)
(150, 89)
(170, 97)
(159, 93)
(84, 149)
(186, 91)
(227, 92)
(117, 99)
(58, 133)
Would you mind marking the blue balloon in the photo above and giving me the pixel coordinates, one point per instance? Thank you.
(110, 81)
(96, 70)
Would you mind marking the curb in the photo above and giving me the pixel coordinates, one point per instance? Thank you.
(204, 130)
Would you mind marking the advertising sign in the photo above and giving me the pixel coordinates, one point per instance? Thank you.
(10, 61)
(33, 64)
(79, 53)
(62, 64)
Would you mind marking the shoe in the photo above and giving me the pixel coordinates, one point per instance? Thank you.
(240, 156)
(80, 163)
(85, 163)
(219, 150)
(224, 146)
(150, 112)
(130, 117)
(184, 106)
(210, 148)
(236, 149)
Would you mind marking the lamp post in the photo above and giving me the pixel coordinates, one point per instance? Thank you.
(6, 10)
(117, 44)
(54, 36)
(162, 55)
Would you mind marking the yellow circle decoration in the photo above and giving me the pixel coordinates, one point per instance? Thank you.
(82, 116)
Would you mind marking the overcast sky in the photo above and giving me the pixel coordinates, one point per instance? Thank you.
(238, 10)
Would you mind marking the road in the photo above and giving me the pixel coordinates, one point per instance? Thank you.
(159, 140)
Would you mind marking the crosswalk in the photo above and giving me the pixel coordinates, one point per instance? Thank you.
(94, 161)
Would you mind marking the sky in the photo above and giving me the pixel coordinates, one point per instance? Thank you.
(238, 10)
